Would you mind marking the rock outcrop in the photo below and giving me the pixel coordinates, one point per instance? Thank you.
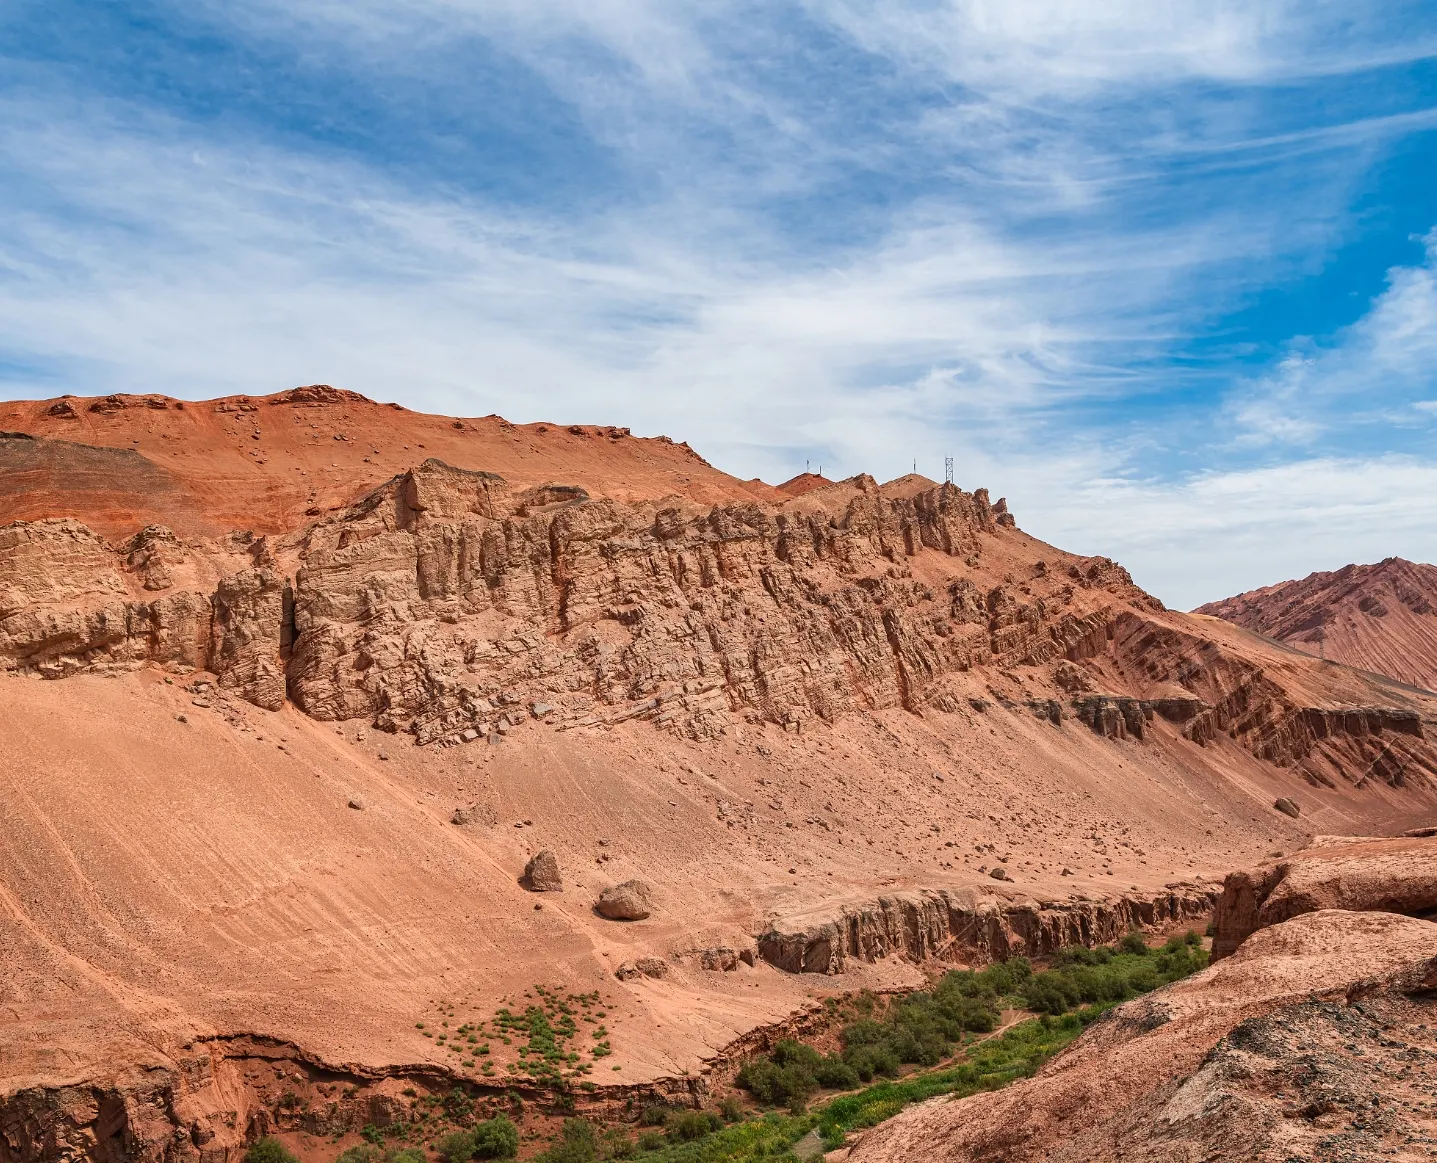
(970, 926)
(1317, 1040)
(653, 967)
(630, 901)
(1380, 875)
(541, 874)
(446, 602)
(445, 597)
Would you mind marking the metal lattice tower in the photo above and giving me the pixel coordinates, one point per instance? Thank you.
(947, 470)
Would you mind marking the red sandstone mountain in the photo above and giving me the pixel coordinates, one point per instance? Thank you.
(295, 686)
(1379, 617)
(804, 482)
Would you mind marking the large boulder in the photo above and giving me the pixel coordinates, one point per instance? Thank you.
(629, 901)
(1389, 875)
(643, 967)
(541, 874)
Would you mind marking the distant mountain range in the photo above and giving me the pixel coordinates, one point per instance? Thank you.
(1379, 617)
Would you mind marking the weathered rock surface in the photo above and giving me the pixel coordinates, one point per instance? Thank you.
(630, 901)
(724, 958)
(1382, 875)
(1317, 1040)
(541, 874)
(652, 967)
(429, 605)
(446, 601)
(970, 926)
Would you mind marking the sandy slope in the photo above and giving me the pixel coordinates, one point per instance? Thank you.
(208, 876)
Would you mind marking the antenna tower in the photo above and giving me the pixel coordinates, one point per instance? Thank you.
(947, 470)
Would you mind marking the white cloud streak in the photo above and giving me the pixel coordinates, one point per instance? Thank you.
(144, 252)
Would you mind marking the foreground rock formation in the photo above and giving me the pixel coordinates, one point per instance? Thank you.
(825, 720)
(1317, 1039)
(1339, 872)
(1379, 617)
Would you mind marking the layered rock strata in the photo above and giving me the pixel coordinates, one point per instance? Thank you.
(208, 1102)
(451, 606)
(446, 602)
(971, 927)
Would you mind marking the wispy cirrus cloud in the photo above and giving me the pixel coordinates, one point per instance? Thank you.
(1030, 235)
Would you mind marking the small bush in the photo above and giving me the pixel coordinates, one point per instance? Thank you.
(496, 1138)
(869, 1062)
(691, 1125)
(578, 1144)
(653, 1116)
(406, 1155)
(833, 1073)
(617, 1145)
(1134, 943)
(457, 1147)
(793, 1053)
(652, 1141)
(730, 1109)
(368, 1153)
(775, 1085)
(270, 1150)
(1144, 979)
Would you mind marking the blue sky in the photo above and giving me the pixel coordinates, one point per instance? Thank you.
(1163, 274)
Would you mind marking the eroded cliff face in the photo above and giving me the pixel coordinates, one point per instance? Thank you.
(1228, 694)
(445, 597)
(971, 927)
(446, 601)
(211, 1099)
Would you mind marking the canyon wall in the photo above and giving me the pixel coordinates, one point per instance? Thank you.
(444, 599)
(972, 927)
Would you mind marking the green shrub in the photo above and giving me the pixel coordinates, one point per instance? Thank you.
(1134, 943)
(653, 1116)
(1144, 979)
(691, 1125)
(794, 1053)
(406, 1155)
(871, 1061)
(617, 1144)
(270, 1150)
(651, 1141)
(730, 1109)
(775, 1085)
(367, 1153)
(578, 1144)
(457, 1147)
(496, 1138)
(833, 1073)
